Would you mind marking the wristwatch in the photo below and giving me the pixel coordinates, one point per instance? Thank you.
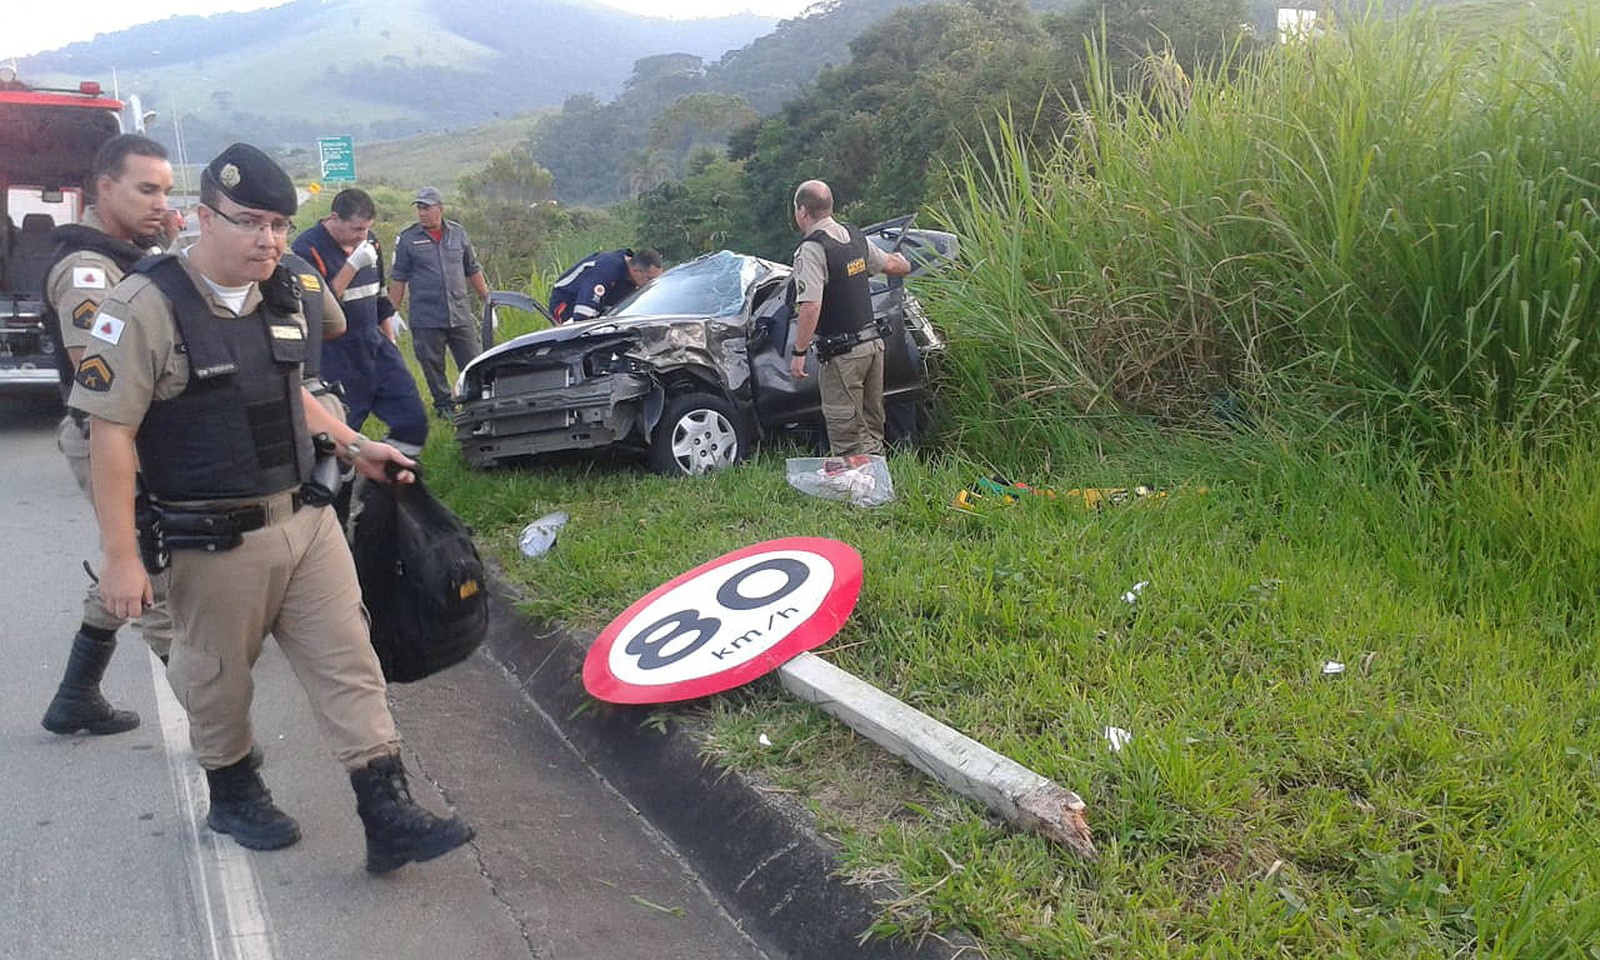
(797, 352)
(353, 448)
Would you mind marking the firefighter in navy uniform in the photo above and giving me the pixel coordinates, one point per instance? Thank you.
(322, 312)
(132, 180)
(365, 362)
(833, 306)
(194, 376)
(599, 282)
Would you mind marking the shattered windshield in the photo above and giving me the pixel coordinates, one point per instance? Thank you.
(713, 286)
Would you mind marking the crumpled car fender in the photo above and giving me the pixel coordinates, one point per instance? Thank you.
(692, 379)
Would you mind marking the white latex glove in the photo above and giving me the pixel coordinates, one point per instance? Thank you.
(363, 256)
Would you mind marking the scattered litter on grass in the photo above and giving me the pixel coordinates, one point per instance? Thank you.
(1132, 594)
(540, 535)
(764, 740)
(1117, 738)
(998, 490)
(1332, 667)
(1096, 497)
(862, 479)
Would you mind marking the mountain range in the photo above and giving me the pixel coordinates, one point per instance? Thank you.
(375, 69)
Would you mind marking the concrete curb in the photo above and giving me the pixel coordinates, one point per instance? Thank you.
(758, 856)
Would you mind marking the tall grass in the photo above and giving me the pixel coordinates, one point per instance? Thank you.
(1369, 257)
(1392, 221)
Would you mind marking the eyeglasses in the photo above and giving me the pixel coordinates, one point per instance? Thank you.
(250, 224)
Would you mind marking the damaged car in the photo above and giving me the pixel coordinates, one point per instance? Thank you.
(692, 369)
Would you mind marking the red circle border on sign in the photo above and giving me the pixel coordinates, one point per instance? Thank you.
(813, 632)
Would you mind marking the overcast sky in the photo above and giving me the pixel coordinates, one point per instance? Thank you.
(32, 27)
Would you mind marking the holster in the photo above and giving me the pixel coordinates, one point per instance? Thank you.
(151, 536)
(832, 345)
(327, 474)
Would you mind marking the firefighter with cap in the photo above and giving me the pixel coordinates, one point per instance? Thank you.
(132, 178)
(193, 377)
(435, 262)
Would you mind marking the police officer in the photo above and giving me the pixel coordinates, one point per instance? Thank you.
(833, 304)
(193, 375)
(600, 281)
(132, 179)
(365, 362)
(434, 257)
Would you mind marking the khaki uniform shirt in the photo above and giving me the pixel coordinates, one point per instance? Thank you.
(811, 261)
(77, 284)
(132, 358)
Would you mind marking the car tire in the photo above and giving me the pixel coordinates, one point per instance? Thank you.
(698, 433)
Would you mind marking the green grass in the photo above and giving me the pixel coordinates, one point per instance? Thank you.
(1359, 277)
(1436, 797)
(1393, 219)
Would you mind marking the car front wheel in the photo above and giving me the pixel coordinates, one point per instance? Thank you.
(698, 433)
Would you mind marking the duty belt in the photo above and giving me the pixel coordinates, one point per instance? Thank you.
(832, 345)
(164, 527)
(226, 521)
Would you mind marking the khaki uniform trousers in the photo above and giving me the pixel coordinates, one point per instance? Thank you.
(851, 385)
(296, 580)
(155, 625)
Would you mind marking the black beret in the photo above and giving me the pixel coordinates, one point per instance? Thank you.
(250, 178)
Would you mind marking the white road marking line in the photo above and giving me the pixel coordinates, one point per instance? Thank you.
(233, 910)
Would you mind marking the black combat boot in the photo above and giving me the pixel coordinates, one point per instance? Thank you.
(399, 831)
(78, 704)
(242, 807)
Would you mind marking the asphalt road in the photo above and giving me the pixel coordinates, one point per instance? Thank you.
(104, 850)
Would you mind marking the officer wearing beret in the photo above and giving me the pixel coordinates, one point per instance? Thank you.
(132, 178)
(193, 377)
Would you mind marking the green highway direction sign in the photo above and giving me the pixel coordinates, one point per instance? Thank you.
(338, 158)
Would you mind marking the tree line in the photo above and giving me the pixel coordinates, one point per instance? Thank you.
(917, 88)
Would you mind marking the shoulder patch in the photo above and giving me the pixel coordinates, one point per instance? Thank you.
(599, 291)
(311, 282)
(94, 373)
(108, 328)
(83, 314)
(89, 278)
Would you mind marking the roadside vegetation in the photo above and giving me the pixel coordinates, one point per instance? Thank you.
(1333, 304)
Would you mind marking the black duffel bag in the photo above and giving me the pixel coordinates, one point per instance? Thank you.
(421, 579)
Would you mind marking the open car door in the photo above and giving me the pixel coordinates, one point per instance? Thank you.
(928, 250)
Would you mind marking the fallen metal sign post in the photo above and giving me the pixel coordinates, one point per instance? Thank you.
(762, 608)
(1022, 797)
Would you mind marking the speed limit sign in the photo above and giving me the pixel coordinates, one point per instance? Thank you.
(726, 622)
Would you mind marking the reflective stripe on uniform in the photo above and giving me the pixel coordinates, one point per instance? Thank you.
(356, 293)
(572, 274)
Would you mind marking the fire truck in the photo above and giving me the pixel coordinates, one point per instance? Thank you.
(48, 140)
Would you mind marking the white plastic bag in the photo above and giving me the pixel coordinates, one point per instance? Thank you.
(863, 479)
(540, 535)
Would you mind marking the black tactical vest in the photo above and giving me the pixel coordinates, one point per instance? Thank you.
(71, 238)
(238, 428)
(846, 297)
(311, 307)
